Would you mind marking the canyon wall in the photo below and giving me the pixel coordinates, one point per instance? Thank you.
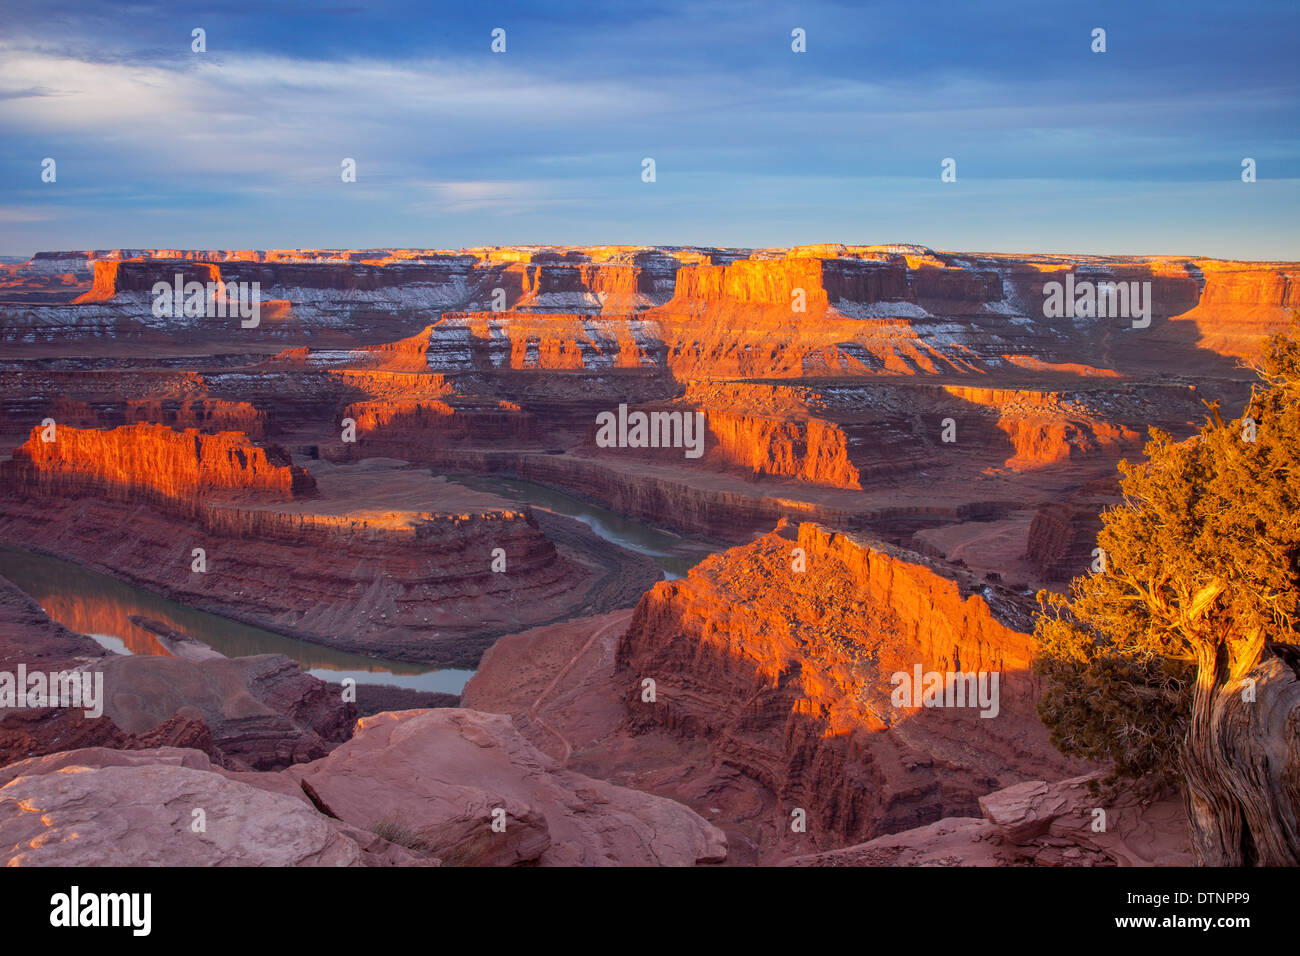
(1064, 533)
(491, 342)
(842, 283)
(411, 429)
(1047, 428)
(366, 577)
(814, 451)
(422, 591)
(893, 310)
(787, 674)
(156, 462)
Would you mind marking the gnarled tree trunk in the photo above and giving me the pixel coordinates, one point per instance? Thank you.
(1241, 758)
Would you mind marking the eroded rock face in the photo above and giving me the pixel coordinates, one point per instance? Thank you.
(157, 463)
(789, 676)
(30, 733)
(28, 638)
(838, 309)
(409, 429)
(246, 713)
(363, 567)
(1045, 428)
(204, 414)
(447, 774)
(186, 407)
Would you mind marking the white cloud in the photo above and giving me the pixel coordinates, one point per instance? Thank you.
(281, 116)
(15, 214)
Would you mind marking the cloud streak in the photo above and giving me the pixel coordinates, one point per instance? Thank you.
(452, 141)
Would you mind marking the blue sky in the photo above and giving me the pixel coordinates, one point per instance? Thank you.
(1136, 150)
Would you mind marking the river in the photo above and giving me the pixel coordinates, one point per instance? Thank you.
(675, 555)
(101, 606)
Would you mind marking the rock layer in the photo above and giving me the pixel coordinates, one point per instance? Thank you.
(156, 463)
(788, 673)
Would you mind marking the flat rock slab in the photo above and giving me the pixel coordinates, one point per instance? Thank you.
(102, 807)
(444, 776)
(143, 816)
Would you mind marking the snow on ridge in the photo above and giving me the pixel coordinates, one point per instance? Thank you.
(881, 310)
(332, 357)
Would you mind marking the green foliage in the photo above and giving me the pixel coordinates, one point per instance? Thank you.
(1201, 572)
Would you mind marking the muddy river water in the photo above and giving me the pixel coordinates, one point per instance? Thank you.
(102, 607)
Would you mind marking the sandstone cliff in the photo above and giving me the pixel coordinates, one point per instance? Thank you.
(155, 462)
(411, 429)
(787, 675)
(831, 309)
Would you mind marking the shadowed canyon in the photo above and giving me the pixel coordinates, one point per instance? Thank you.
(557, 556)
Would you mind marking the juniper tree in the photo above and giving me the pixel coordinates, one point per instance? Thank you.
(1199, 588)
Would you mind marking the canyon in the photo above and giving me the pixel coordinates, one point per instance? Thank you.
(901, 447)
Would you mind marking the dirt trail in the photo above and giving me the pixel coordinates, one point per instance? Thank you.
(532, 710)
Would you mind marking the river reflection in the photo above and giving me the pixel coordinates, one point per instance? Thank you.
(101, 607)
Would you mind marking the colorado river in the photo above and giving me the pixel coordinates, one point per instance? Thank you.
(674, 554)
(101, 607)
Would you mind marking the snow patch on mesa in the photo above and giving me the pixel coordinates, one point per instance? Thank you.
(329, 358)
(881, 310)
(1010, 304)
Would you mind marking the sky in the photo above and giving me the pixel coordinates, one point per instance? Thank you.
(1137, 150)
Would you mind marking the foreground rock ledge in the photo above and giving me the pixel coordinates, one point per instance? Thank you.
(138, 809)
(442, 773)
(1035, 823)
(415, 787)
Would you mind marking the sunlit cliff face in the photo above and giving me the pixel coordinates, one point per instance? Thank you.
(178, 466)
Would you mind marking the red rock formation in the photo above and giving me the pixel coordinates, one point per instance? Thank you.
(725, 514)
(251, 712)
(1240, 304)
(204, 414)
(787, 676)
(155, 462)
(815, 451)
(98, 807)
(126, 275)
(29, 638)
(1044, 429)
(362, 567)
(419, 590)
(25, 734)
(521, 341)
(867, 310)
(443, 773)
(261, 712)
(409, 429)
